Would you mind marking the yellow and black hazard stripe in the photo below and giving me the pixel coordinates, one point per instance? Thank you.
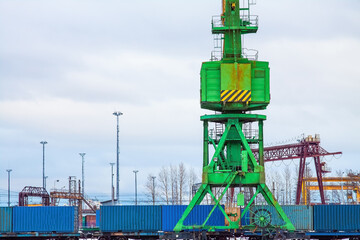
(235, 96)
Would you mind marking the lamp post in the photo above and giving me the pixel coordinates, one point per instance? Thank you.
(43, 143)
(82, 173)
(8, 170)
(153, 193)
(117, 114)
(46, 177)
(112, 183)
(136, 171)
(55, 181)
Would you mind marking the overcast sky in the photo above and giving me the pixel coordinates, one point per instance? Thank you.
(65, 66)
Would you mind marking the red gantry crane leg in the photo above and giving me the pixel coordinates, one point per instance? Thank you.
(308, 147)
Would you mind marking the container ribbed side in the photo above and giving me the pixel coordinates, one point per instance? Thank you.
(44, 219)
(5, 219)
(336, 218)
(172, 213)
(130, 218)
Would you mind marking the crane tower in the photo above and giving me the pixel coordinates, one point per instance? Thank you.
(233, 84)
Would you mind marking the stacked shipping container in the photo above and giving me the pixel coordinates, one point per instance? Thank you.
(172, 213)
(130, 218)
(330, 218)
(318, 218)
(45, 219)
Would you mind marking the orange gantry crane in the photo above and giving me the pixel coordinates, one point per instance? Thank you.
(349, 183)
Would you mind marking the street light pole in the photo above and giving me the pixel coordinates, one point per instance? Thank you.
(8, 170)
(153, 193)
(46, 177)
(82, 173)
(112, 183)
(117, 114)
(55, 181)
(136, 171)
(43, 143)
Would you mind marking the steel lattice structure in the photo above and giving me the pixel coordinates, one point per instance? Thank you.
(30, 191)
(304, 149)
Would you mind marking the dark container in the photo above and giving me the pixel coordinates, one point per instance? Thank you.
(130, 218)
(5, 219)
(172, 213)
(45, 219)
(330, 218)
(90, 221)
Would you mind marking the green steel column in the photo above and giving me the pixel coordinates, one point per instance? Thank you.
(232, 38)
(206, 144)
(261, 143)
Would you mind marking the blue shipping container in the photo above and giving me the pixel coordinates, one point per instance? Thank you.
(336, 218)
(130, 218)
(97, 218)
(45, 219)
(172, 213)
(5, 219)
(301, 216)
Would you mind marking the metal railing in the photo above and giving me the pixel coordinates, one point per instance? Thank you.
(247, 20)
(251, 54)
(216, 55)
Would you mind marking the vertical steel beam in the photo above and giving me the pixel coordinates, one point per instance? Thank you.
(206, 144)
(319, 178)
(300, 178)
(261, 143)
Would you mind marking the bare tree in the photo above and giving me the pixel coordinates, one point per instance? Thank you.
(174, 185)
(288, 185)
(181, 179)
(192, 181)
(164, 184)
(279, 186)
(295, 179)
(151, 188)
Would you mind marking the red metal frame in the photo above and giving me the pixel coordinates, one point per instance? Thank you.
(29, 191)
(304, 149)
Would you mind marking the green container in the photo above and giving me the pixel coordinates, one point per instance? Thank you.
(242, 86)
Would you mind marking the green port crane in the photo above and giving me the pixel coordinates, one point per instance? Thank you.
(233, 84)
